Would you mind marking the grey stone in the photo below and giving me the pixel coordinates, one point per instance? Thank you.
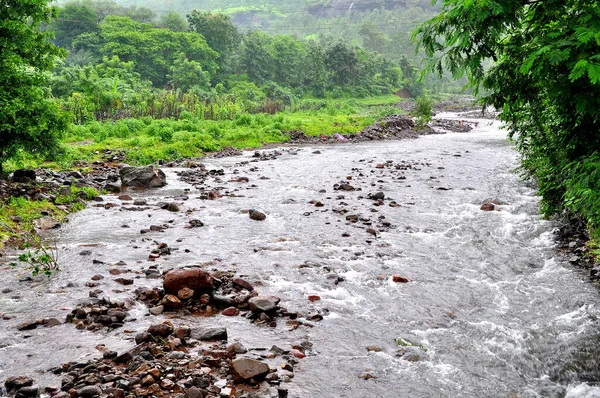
(263, 303)
(246, 368)
(144, 177)
(209, 333)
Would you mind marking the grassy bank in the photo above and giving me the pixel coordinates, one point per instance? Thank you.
(18, 215)
(147, 140)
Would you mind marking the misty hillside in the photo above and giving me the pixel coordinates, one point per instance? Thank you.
(384, 23)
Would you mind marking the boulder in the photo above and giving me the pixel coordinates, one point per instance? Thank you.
(263, 303)
(243, 369)
(192, 278)
(143, 177)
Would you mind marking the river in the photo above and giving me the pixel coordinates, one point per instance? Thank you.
(491, 309)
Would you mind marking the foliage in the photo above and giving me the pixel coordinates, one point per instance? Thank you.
(582, 194)
(186, 74)
(149, 140)
(29, 120)
(153, 50)
(74, 19)
(545, 79)
(40, 259)
(423, 111)
(220, 34)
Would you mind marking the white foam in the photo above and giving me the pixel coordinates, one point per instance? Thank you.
(583, 390)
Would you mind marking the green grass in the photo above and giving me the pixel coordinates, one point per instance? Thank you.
(28, 211)
(147, 140)
(17, 215)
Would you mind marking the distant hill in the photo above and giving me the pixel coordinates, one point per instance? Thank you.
(339, 18)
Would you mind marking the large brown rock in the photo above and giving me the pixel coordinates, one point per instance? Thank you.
(243, 369)
(193, 278)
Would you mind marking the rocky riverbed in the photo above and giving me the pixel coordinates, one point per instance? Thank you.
(304, 271)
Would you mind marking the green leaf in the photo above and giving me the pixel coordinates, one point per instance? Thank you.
(594, 73)
(579, 70)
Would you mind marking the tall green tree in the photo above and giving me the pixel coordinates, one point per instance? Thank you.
(544, 77)
(74, 19)
(153, 50)
(220, 34)
(29, 119)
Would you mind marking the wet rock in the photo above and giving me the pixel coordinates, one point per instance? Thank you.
(297, 353)
(111, 187)
(159, 309)
(263, 303)
(345, 187)
(376, 196)
(28, 392)
(161, 330)
(243, 369)
(373, 348)
(209, 333)
(15, 383)
(50, 322)
(183, 332)
(144, 177)
(230, 311)
(185, 293)
(171, 302)
(46, 223)
(124, 281)
(140, 202)
(196, 223)
(194, 392)
(144, 337)
(28, 325)
(410, 353)
(174, 207)
(89, 392)
(192, 278)
(400, 279)
(256, 215)
(488, 207)
(243, 284)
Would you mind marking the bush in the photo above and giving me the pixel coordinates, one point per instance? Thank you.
(423, 111)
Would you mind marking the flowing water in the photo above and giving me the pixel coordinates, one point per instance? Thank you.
(491, 309)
